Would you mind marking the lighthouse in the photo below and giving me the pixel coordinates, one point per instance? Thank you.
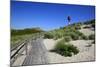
(69, 19)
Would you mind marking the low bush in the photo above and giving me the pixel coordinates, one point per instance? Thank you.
(74, 36)
(58, 34)
(77, 27)
(92, 37)
(93, 25)
(85, 27)
(65, 49)
(84, 37)
(93, 42)
(72, 48)
(67, 38)
(78, 33)
(81, 35)
(48, 35)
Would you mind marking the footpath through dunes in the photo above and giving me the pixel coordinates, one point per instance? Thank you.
(37, 54)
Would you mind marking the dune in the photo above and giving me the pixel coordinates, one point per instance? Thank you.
(85, 54)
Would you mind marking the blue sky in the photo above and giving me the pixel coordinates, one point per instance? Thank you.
(47, 16)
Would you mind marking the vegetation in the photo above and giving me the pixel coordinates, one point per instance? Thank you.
(93, 25)
(67, 38)
(89, 22)
(65, 49)
(87, 27)
(84, 37)
(77, 26)
(70, 33)
(75, 35)
(17, 39)
(25, 31)
(93, 42)
(48, 35)
(67, 33)
(92, 37)
(55, 34)
(18, 36)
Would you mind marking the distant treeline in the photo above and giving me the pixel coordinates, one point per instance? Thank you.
(25, 31)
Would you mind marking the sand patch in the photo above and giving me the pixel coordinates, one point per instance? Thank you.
(85, 54)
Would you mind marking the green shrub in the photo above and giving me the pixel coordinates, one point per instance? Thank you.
(65, 49)
(67, 38)
(86, 27)
(74, 36)
(93, 42)
(92, 37)
(93, 25)
(48, 35)
(72, 48)
(84, 37)
(78, 33)
(58, 34)
(81, 35)
(77, 27)
(67, 34)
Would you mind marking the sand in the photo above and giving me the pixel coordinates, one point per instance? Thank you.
(85, 54)
(87, 31)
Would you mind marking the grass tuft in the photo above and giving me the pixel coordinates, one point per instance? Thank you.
(66, 50)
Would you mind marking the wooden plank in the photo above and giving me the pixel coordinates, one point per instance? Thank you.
(37, 55)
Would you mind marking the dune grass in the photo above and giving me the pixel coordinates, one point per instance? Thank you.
(64, 49)
(92, 37)
(16, 39)
(67, 33)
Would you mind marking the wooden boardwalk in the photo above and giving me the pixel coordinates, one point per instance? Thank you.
(37, 53)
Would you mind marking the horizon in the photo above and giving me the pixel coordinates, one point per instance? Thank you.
(42, 29)
(52, 16)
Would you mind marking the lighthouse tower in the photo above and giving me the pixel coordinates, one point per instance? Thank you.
(69, 19)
